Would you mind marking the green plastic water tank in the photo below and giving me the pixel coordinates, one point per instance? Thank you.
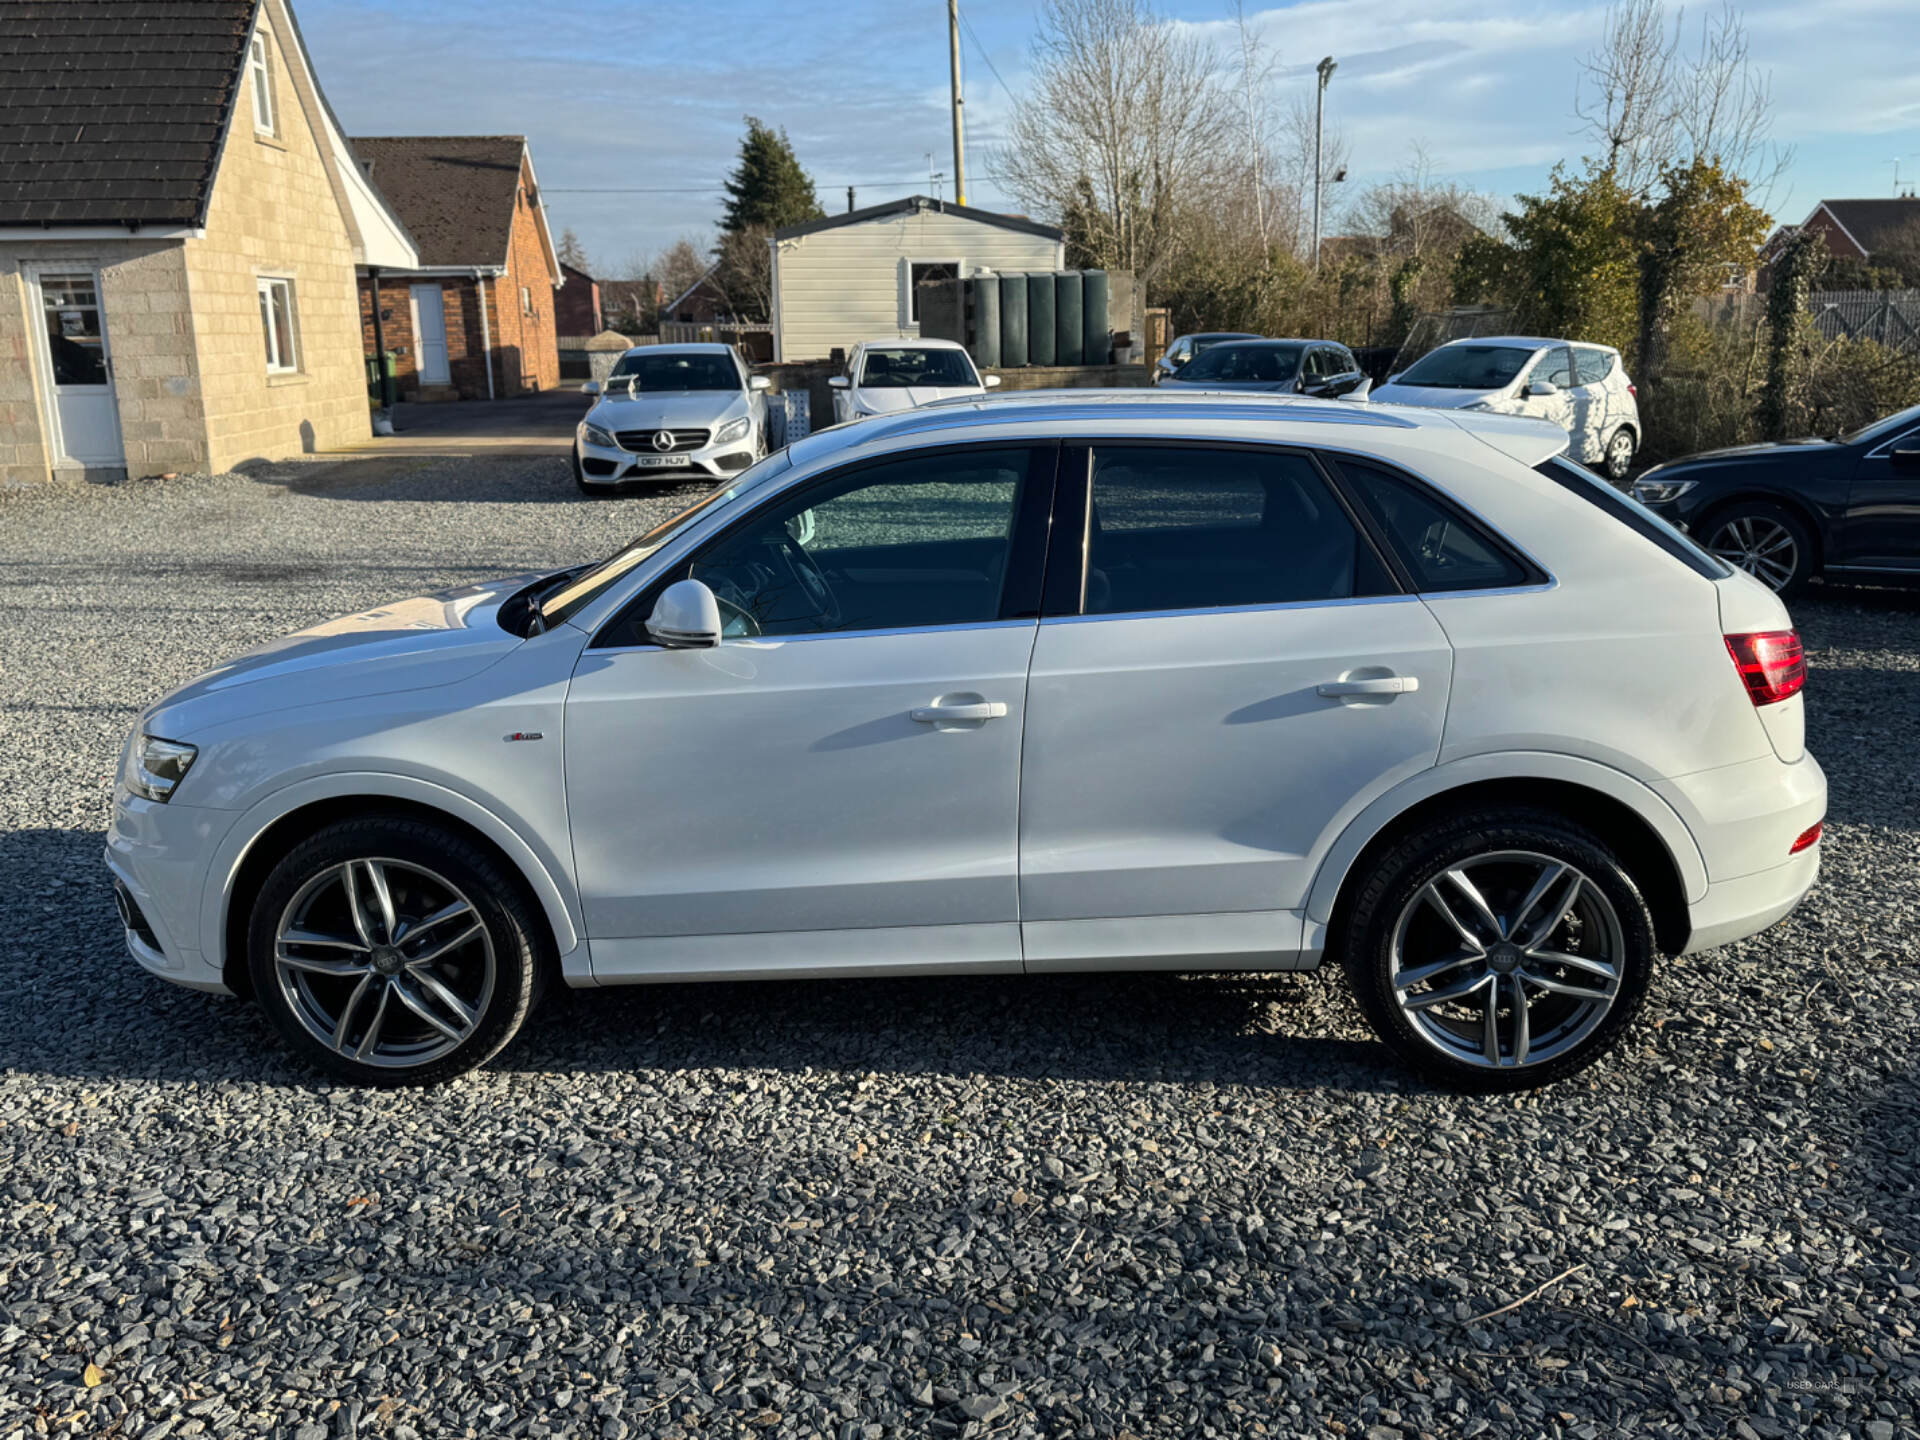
(1097, 343)
(984, 300)
(1013, 320)
(1040, 318)
(1069, 318)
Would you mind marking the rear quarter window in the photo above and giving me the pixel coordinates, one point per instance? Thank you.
(1632, 514)
(1440, 546)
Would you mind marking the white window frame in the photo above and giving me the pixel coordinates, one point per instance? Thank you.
(266, 118)
(526, 300)
(264, 287)
(909, 292)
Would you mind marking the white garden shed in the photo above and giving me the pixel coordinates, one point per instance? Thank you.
(852, 277)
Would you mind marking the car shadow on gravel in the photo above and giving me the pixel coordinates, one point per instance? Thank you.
(72, 1003)
(483, 479)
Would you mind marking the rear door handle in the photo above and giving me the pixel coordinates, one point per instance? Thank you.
(1379, 685)
(979, 710)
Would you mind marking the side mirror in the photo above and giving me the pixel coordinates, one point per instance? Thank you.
(1359, 390)
(759, 382)
(592, 387)
(1535, 389)
(991, 382)
(685, 617)
(839, 382)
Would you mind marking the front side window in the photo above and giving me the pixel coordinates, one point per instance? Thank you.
(1440, 546)
(897, 368)
(1177, 528)
(1554, 366)
(1466, 367)
(702, 370)
(277, 321)
(260, 74)
(908, 543)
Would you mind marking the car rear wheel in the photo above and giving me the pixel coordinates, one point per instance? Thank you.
(389, 951)
(1769, 543)
(1618, 459)
(1499, 951)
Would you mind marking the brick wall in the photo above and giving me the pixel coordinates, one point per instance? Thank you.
(526, 356)
(144, 298)
(576, 306)
(460, 304)
(273, 212)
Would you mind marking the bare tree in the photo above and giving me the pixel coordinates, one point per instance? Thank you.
(1257, 67)
(743, 272)
(1122, 128)
(1651, 105)
(1413, 215)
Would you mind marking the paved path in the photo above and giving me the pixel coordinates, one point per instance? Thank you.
(532, 425)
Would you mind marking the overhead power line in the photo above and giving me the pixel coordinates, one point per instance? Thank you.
(967, 25)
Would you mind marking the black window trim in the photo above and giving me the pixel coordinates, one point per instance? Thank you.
(1536, 576)
(1027, 547)
(1066, 570)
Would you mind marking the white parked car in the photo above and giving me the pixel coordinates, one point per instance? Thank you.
(1582, 388)
(1065, 682)
(888, 375)
(669, 412)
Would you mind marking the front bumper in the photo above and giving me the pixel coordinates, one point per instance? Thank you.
(158, 855)
(600, 465)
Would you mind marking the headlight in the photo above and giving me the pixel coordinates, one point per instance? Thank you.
(156, 766)
(602, 438)
(734, 430)
(1657, 492)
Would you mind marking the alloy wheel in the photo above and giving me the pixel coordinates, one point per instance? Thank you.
(1619, 456)
(1507, 959)
(1759, 545)
(384, 962)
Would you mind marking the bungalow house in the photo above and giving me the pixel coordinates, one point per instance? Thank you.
(856, 276)
(474, 318)
(1881, 231)
(180, 220)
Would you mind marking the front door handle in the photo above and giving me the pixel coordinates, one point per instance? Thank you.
(1378, 685)
(944, 714)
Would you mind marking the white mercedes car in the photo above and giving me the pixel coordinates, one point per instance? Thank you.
(670, 412)
(1061, 682)
(1582, 388)
(888, 375)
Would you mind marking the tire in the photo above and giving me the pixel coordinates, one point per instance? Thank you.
(1394, 931)
(407, 1007)
(1617, 459)
(1768, 541)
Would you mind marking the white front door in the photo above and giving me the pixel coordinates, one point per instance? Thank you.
(77, 369)
(430, 335)
(1243, 676)
(836, 786)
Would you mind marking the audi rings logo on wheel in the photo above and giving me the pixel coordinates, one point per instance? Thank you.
(663, 440)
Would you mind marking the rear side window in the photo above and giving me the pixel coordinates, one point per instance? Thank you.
(1591, 366)
(1440, 546)
(1632, 514)
(1175, 528)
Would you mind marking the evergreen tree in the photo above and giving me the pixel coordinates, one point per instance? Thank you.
(768, 187)
(572, 252)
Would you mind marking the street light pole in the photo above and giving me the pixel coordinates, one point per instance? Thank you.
(1325, 71)
(959, 123)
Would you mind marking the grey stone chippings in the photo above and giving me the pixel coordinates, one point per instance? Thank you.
(1078, 1206)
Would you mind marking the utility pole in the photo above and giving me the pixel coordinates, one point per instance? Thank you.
(849, 199)
(959, 124)
(1325, 71)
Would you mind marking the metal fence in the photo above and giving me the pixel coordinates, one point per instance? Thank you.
(1888, 317)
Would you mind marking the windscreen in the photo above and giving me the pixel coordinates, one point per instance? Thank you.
(1244, 364)
(1466, 367)
(911, 365)
(701, 370)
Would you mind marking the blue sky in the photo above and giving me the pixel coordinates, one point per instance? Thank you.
(649, 94)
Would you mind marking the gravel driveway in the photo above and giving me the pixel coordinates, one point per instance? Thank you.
(1158, 1206)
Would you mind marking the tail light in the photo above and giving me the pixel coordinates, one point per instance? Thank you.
(1633, 390)
(1770, 662)
(1809, 837)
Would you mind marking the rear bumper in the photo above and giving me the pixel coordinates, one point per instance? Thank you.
(1734, 909)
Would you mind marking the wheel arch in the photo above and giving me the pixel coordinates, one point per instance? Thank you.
(258, 841)
(1641, 828)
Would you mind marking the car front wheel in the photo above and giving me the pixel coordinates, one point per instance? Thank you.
(1769, 543)
(1499, 951)
(390, 951)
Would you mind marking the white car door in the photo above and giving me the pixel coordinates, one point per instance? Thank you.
(1238, 674)
(835, 786)
(1592, 396)
(1555, 367)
